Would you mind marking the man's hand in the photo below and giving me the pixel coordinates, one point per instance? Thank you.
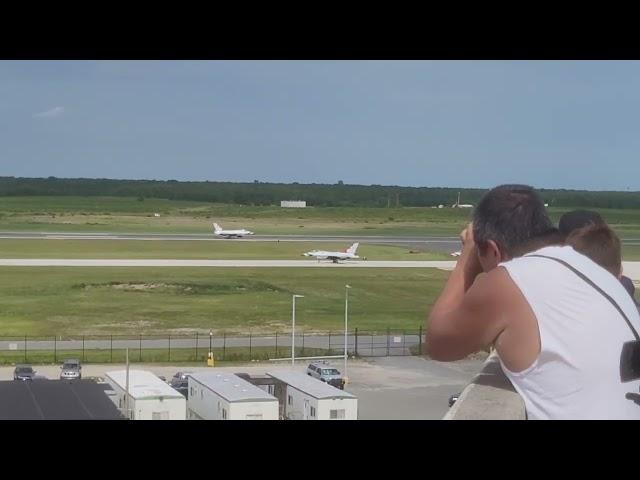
(468, 260)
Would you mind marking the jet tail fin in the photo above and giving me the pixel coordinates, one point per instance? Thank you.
(216, 227)
(353, 248)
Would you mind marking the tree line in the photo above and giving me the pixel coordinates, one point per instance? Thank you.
(321, 195)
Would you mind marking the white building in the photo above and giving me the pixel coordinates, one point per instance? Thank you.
(293, 203)
(149, 397)
(305, 398)
(224, 396)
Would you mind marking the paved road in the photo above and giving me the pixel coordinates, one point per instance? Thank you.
(631, 269)
(403, 388)
(435, 240)
(444, 243)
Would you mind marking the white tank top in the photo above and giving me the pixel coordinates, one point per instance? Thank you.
(577, 373)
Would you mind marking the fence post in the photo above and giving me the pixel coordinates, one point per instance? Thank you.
(388, 332)
(55, 356)
(356, 342)
(140, 355)
(404, 342)
(25, 349)
(329, 352)
(420, 341)
(302, 354)
(276, 344)
(169, 347)
(250, 357)
(224, 344)
(196, 346)
(111, 348)
(82, 348)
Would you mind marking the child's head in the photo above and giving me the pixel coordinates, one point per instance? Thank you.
(600, 244)
(576, 219)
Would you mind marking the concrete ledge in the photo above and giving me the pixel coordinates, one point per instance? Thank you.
(489, 396)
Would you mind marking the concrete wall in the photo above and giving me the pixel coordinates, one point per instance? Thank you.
(489, 396)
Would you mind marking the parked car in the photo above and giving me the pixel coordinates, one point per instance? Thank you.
(325, 373)
(71, 370)
(180, 382)
(453, 399)
(24, 372)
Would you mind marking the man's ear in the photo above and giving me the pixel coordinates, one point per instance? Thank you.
(494, 252)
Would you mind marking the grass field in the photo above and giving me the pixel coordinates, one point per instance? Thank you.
(198, 250)
(114, 214)
(121, 214)
(83, 301)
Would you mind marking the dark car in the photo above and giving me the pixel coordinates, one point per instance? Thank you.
(453, 399)
(180, 382)
(24, 372)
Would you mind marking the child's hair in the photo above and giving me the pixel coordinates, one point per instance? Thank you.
(600, 244)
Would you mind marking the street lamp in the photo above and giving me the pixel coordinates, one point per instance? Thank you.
(346, 317)
(293, 329)
(210, 356)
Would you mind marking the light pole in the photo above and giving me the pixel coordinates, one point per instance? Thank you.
(293, 329)
(126, 389)
(210, 356)
(346, 317)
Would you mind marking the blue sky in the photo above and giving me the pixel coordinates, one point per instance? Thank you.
(555, 124)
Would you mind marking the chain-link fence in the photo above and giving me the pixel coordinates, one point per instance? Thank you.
(195, 348)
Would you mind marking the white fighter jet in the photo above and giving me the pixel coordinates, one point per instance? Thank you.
(219, 232)
(348, 254)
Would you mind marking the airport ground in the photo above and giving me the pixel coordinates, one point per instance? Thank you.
(128, 215)
(388, 388)
(74, 301)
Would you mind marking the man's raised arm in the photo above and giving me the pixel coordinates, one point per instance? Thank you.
(466, 317)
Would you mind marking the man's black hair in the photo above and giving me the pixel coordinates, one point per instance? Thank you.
(576, 219)
(511, 216)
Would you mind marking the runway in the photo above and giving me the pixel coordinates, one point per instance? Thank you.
(437, 243)
(444, 241)
(631, 269)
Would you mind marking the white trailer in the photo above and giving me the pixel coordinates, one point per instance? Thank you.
(149, 397)
(305, 398)
(224, 396)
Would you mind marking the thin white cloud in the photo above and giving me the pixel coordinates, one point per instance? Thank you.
(54, 112)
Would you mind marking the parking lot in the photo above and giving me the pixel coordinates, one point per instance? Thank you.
(388, 388)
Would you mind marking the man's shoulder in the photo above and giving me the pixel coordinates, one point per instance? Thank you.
(558, 251)
(495, 286)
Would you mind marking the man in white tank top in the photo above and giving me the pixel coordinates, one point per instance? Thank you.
(559, 340)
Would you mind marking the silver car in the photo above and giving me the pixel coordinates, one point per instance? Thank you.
(325, 373)
(71, 370)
